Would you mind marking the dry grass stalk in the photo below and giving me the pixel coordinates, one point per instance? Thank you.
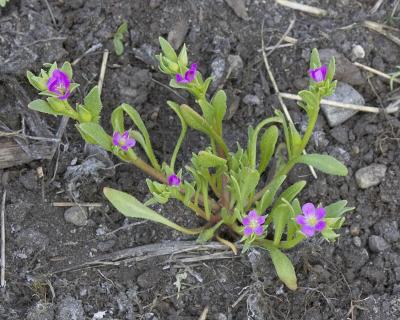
(381, 28)
(302, 7)
(375, 71)
(343, 105)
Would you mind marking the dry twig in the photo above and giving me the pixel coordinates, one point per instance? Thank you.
(375, 8)
(103, 69)
(3, 231)
(88, 51)
(375, 71)
(302, 7)
(381, 28)
(73, 204)
(343, 105)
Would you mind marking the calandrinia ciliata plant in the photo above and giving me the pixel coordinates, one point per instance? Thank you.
(226, 188)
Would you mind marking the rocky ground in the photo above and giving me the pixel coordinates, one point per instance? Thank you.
(357, 277)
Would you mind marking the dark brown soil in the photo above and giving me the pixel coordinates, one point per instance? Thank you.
(337, 281)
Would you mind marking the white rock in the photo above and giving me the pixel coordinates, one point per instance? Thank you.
(346, 94)
(370, 176)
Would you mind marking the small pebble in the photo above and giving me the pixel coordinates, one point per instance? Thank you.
(358, 52)
(370, 176)
(357, 242)
(377, 244)
(76, 215)
(355, 230)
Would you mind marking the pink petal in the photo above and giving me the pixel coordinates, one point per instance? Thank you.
(125, 135)
(308, 231)
(308, 209)
(247, 231)
(320, 213)
(320, 225)
(125, 147)
(179, 78)
(130, 143)
(116, 137)
(246, 221)
(259, 230)
(261, 220)
(253, 215)
(301, 220)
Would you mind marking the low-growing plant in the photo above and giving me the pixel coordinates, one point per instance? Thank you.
(223, 187)
(119, 37)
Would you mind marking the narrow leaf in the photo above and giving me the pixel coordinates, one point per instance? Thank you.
(43, 106)
(167, 49)
(96, 134)
(324, 163)
(267, 147)
(284, 268)
(93, 103)
(133, 208)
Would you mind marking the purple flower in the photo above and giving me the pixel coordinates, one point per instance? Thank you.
(59, 84)
(312, 219)
(318, 74)
(173, 180)
(123, 141)
(189, 75)
(253, 223)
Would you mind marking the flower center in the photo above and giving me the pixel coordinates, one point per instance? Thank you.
(253, 224)
(122, 141)
(312, 221)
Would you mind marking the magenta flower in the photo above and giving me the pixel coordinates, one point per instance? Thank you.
(189, 75)
(173, 180)
(123, 141)
(318, 74)
(59, 84)
(312, 219)
(253, 223)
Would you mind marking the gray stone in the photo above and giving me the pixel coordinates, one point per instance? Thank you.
(41, 311)
(251, 100)
(76, 215)
(70, 309)
(29, 180)
(346, 94)
(377, 244)
(370, 176)
(357, 242)
(177, 35)
(345, 70)
(31, 240)
(218, 66)
(388, 230)
(235, 68)
(340, 134)
(106, 245)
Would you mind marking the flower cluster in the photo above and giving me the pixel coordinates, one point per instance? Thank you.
(312, 220)
(123, 141)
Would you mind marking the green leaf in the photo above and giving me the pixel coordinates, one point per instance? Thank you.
(93, 103)
(267, 147)
(337, 209)
(324, 163)
(189, 192)
(249, 182)
(118, 46)
(97, 134)
(183, 58)
(133, 208)
(194, 120)
(290, 193)
(314, 60)
(209, 160)
(167, 49)
(207, 234)
(43, 106)
(208, 111)
(295, 139)
(117, 120)
(67, 68)
(123, 28)
(280, 215)
(269, 195)
(3, 3)
(283, 267)
(219, 104)
(84, 114)
(331, 69)
(311, 100)
(37, 82)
